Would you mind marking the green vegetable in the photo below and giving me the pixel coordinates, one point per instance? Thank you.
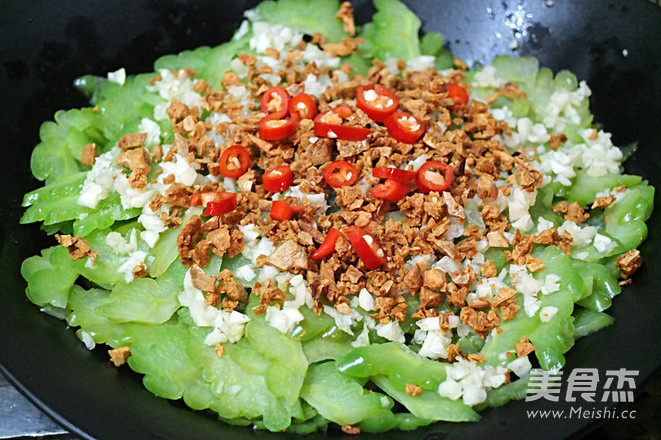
(307, 16)
(162, 251)
(604, 286)
(161, 355)
(588, 321)
(429, 404)
(50, 276)
(393, 32)
(210, 63)
(341, 398)
(584, 187)
(108, 212)
(551, 339)
(395, 361)
(62, 142)
(626, 218)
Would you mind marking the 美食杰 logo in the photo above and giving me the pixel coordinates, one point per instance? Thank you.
(591, 392)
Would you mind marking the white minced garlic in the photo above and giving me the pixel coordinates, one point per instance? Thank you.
(470, 381)
(391, 331)
(118, 76)
(343, 321)
(547, 313)
(99, 180)
(226, 326)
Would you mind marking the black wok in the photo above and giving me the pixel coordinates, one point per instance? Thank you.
(614, 45)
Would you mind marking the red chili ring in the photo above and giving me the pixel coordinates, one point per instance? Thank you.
(234, 161)
(404, 127)
(275, 101)
(277, 179)
(434, 176)
(340, 173)
(379, 104)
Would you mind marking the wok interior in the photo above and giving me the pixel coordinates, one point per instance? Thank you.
(611, 45)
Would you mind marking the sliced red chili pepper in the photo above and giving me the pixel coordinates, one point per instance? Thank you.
(275, 101)
(328, 246)
(281, 211)
(234, 161)
(196, 199)
(391, 189)
(376, 101)
(277, 179)
(303, 105)
(458, 94)
(343, 111)
(272, 127)
(340, 173)
(329, 124)
(218, 202)
(394, 173)
(368, 249)
(202, 199)
(404, 127)
(434, 176)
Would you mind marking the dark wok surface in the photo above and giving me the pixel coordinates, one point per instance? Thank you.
(47, 44)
